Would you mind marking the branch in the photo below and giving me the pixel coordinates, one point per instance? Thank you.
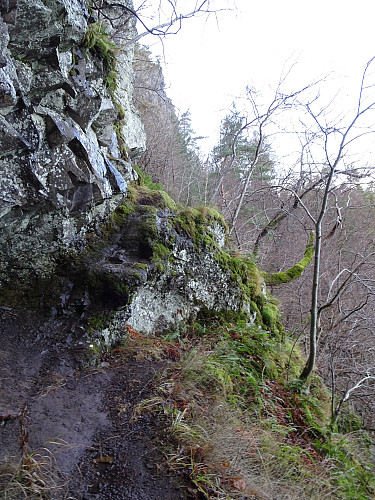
(273, 279)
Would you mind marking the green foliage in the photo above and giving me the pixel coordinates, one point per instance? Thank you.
(98, 42)
(247, 368)
(354, 479)
(239, 360)
(146, 180)
(234, 142)
(273, 279)
(348, 422)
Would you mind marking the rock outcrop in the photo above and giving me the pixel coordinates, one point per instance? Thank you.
(74, 238)
(60, 160)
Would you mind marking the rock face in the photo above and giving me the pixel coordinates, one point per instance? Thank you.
(60, 164)
(158, 272)
(153, 267)
(74, 237)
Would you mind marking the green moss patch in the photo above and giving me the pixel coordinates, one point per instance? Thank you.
(195, 222)
(98, 42)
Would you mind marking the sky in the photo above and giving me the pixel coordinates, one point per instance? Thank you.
(210, 61)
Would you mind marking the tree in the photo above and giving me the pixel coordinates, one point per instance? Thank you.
(244, 147)
(232, 158)
(171, 155)
(307, 193)
(168, 16)
(333, 140)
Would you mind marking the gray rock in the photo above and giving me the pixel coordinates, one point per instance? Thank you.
(60, 165)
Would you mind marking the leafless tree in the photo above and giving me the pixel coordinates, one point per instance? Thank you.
(160, 20)
(332, 140)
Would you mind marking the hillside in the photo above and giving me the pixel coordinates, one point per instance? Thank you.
(142, 354)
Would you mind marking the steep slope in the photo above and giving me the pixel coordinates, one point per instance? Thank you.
(139, 357)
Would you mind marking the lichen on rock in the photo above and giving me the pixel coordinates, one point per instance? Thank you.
(161, 266)
(61, 167)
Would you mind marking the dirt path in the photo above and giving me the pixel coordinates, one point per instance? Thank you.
(79, 424)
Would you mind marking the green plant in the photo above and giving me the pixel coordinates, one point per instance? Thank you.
(146, 180)
(98, 42)
(354, 479)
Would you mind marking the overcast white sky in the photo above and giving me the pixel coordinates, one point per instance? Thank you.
(210, 61)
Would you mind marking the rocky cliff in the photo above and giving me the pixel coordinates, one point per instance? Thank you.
(60, 160)
(73, 236)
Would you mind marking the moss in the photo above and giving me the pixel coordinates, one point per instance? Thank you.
(270, 315)
(110, 80)
(120, 111)
(132, 193)
(195, 223)
(99, 321)
(160, 254)
(142, 266)
(122, 212)
(145, 196)
(147, 192)
(168, 202)
(118, 128)
(274, 279)
(98, 42)
(222, 316)
(244, 272)
(149, 229)
(146, 180)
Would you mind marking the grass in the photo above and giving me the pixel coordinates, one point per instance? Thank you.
(238, 425)
(36, 475)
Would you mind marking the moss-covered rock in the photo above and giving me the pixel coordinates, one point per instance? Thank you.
(161, 266)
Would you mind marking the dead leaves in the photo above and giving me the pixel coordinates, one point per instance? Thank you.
(104, 459)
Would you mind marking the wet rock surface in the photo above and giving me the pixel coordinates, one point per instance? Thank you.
(60, 161)
(79, 419)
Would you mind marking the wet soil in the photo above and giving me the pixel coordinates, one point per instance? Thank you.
(81, 421)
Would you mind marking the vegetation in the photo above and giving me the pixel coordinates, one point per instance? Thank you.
(273, 279)
(269, 207)
(98, 42)
(240, 425)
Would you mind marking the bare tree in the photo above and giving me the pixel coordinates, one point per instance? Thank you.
(309, 195)
(244, 151)
(161, 21)
(334, 138)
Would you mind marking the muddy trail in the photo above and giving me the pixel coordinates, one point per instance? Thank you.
(70, 431)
